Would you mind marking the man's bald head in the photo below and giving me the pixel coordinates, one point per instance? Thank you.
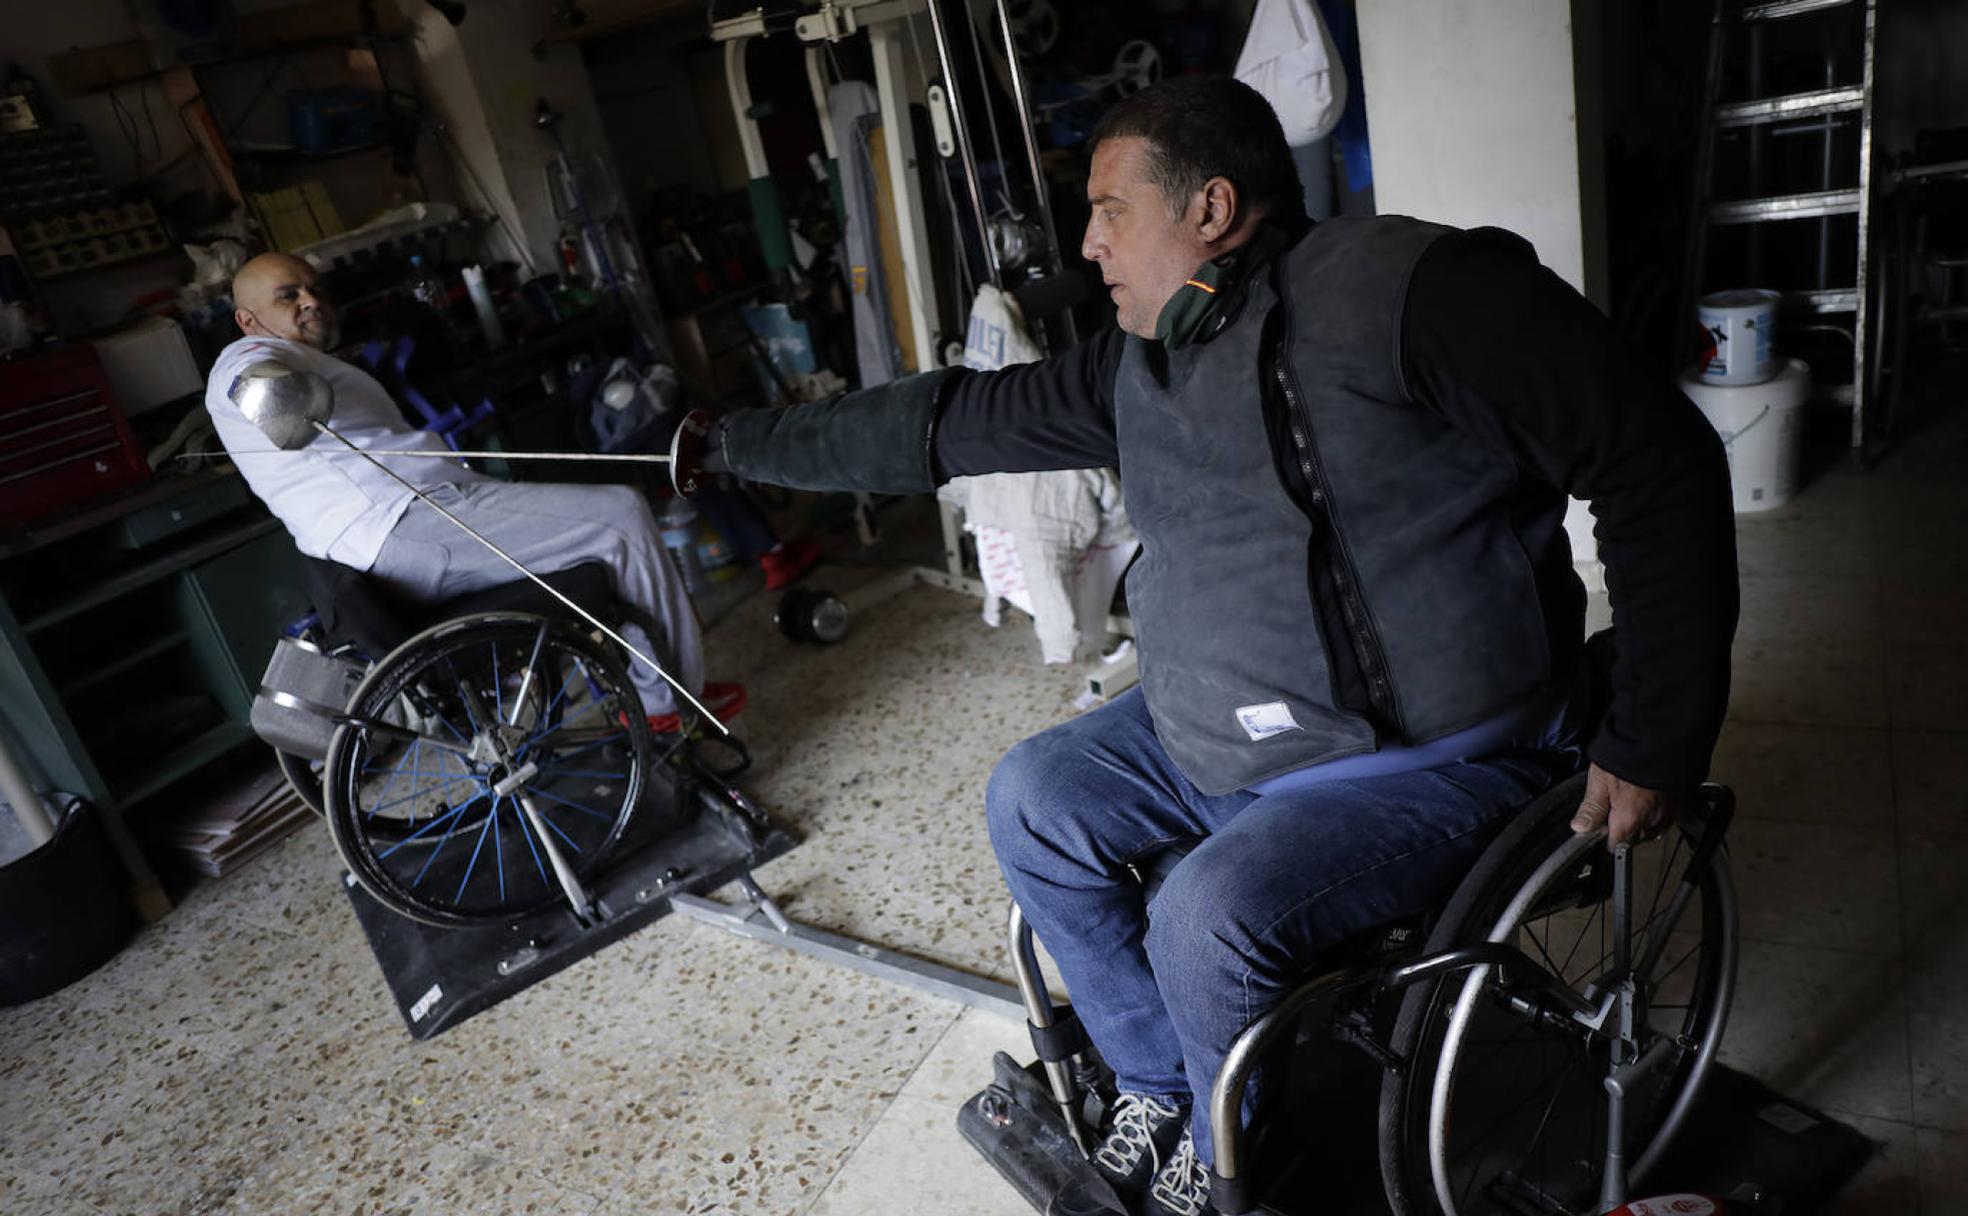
(274, 296)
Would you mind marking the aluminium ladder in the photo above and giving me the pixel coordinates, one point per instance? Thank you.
(1826, 105)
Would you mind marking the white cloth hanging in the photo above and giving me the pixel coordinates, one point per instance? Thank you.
(1053, 543)
(1289, 57)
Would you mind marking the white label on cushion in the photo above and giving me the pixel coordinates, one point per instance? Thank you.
(1263, 721)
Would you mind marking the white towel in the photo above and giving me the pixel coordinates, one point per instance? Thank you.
(1289, 57)
(1038, 533)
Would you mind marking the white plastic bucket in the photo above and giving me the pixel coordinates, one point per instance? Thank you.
(1762, 430)
(1739, 326)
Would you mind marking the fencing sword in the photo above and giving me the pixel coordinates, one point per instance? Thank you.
(431, 454)
(292, 407)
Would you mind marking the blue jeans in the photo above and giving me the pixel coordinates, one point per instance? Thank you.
(1164, 989)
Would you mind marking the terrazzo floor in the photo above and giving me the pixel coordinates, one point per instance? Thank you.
(243, 1056)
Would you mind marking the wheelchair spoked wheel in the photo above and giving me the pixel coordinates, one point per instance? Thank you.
(1503, 1105)
(486, 768)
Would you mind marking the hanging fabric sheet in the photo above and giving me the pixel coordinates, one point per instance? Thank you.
(1289, 57)
(1053, 543)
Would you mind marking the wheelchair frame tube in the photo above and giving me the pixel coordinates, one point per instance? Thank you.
(1231, 1192)
(1038, 1011)
(1612, 1177)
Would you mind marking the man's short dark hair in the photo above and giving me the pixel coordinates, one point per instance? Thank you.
(1199, 127)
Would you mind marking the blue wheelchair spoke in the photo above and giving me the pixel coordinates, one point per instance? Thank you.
(594, 687)
(447, 817)
(416, 753)
(553, 705)
(526, 831)
(499, 852)
(584, 809)
(373, 811)
(598, 699)
(464, 694)
(576, 716)
(459, 735)
(558, 831)
(548, 716)
(582, 772)
(471, 867)
(604, 741)
(447, 777)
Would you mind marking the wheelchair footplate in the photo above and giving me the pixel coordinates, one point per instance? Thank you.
(1018, 1128)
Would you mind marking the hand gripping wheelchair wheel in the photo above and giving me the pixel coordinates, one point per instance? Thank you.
(485, 767)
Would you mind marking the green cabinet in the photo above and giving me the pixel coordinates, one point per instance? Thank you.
(133, 636)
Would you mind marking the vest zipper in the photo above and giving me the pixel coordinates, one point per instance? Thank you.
(1367, 649)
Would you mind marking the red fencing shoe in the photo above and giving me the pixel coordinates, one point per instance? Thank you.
(785, 564)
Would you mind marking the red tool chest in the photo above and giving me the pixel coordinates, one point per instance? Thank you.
(63, 438)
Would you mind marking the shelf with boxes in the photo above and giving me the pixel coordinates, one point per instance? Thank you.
(60, 211)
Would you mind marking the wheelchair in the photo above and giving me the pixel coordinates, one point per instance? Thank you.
(485, 765)
(1538, 1040)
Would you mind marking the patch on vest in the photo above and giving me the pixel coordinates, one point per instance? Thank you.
(1263, 721)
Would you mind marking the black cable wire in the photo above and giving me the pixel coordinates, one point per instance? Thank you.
(229, 131)
(156, 141)
(133, 131)
(126, 126)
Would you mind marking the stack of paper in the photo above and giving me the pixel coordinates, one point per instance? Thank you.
(241, 822)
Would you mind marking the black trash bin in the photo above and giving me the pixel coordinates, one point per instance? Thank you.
(63, 910)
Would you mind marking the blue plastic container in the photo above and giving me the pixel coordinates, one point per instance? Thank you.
(327, 120)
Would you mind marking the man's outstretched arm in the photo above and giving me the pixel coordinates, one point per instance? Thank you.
(912, 434)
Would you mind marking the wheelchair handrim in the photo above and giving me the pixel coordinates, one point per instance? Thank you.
(1507, 922)
(390, 679)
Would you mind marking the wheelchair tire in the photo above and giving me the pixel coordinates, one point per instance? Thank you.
(424, 790)
(1523, 1121)
(302, 779)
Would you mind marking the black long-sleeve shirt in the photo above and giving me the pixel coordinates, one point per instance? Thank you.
(1505, 350)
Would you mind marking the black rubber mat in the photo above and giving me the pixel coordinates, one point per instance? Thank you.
(440, 977)
(1743, 1143)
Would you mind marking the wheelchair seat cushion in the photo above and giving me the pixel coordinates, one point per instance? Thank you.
(588, 584)
(356, 608)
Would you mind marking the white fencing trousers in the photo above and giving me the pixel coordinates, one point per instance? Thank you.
(548, 528)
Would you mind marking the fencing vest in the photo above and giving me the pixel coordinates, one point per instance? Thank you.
(1435, 536)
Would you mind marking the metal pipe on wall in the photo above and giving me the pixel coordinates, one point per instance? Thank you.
(1023, 102)
(954, 92)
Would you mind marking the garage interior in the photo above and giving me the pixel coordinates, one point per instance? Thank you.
(546, 223)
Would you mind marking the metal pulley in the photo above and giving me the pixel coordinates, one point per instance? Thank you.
(1017, 241)
(1136, 66)
(1034, 26)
